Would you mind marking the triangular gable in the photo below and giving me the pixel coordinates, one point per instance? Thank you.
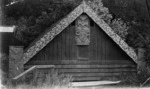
(61, 25)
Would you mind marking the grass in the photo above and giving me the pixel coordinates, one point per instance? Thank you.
(53, 80)
(50, 80)
(135, 79)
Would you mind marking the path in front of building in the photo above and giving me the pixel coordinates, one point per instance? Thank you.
(96, 85)
(101, 85)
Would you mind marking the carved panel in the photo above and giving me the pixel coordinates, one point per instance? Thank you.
(83, 30)
(15, 64)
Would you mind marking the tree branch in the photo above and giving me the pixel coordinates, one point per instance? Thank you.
(147, 7)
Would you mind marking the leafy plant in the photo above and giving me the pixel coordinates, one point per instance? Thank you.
(135, 79)
(117, 25)
(38, 80)
(4, 67)
(120, 28)
(99, 8)
(32, 17)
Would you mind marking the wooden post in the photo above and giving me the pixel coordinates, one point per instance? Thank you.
(15, 63)
(141, 61)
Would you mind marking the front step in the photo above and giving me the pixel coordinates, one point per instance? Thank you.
(93, 83)
(94, 72)
(94, 76)
(90, 70)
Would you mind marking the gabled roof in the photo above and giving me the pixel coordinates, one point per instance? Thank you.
(47, 37)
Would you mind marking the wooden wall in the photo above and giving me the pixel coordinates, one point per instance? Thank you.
(104, 59)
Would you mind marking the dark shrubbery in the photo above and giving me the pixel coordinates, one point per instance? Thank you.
(134, 79)
(3, 68)
(34, 16)
(40, 80)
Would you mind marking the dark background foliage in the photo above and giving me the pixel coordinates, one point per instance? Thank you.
(34, 16)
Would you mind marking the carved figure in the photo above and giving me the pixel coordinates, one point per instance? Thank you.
(83, 30)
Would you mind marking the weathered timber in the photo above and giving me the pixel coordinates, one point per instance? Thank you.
(94, 74)
(31, 69)
(94, 78)
(24, 73)
(74, 62)
(97, 70)
(92, 66)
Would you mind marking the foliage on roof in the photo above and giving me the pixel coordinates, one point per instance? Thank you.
(99, 8)
(118, 25)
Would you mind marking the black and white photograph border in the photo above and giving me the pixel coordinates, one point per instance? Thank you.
(75, 44)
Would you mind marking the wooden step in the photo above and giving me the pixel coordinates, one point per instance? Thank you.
(94, 78)
(94, 66)
(96, 70)
(94, 74)
(91, 74)
(90, 66)
(63, 70)
(56, 62)
(94, 83)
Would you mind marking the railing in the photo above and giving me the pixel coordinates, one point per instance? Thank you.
(32, 69)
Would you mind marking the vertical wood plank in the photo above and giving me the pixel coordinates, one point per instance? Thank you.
(46, 51)
(72, 43)
(52, 50)
(96, 42)
(91, 44)
(69, 42)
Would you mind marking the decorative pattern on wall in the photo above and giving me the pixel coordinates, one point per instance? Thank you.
(54, 31)
(83, 30)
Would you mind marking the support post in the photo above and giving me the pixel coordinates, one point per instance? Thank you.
(15, 63)
(141, 65)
